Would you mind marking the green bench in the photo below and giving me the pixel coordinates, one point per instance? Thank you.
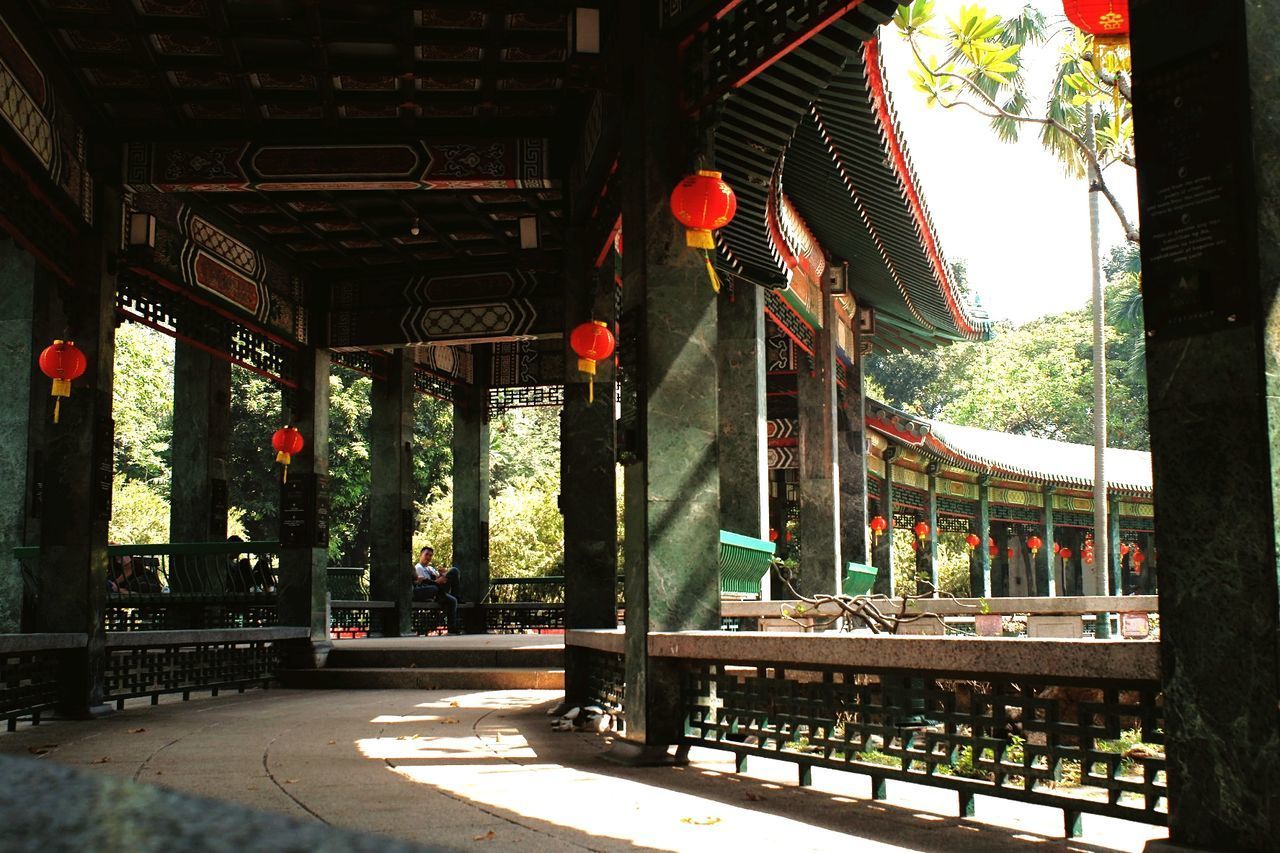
(743, 564)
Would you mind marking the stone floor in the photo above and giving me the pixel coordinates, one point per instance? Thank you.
(474, 770)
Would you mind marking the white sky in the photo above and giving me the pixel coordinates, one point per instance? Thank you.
(1021, 227)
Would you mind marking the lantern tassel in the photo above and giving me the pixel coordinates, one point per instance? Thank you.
(57, 407)
(588, 367)
(711, 272)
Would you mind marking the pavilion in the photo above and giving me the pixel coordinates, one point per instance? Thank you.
(435, 193)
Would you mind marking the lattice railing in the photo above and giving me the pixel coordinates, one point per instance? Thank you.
(606, 682)
(29, 677)
(156, 663)
(1084, 747)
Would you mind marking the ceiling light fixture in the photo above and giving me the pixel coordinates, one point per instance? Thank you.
(415, 229)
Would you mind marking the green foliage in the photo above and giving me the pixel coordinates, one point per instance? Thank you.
(953, 563)
(139, 513)
(142, 405)
(1034, 379)
(432, 456)
(349, 473)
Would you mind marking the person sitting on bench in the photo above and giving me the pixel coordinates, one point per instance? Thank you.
(431, 584)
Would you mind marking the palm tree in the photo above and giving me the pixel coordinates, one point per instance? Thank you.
(974, 62)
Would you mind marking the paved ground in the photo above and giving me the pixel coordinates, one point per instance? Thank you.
(477, 770)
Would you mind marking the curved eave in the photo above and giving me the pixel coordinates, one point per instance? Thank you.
(848, 173)
(955, 451)
(756, 123)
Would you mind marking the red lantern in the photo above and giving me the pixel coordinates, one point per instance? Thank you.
(1124, 550)
(878, 526)
(1108, 19)
(1034, 543)
(1087, 554)
(593, 342)
(1056, 547)
(1065, 554)
(1138, 558)
(287, 442)
(63, 362)
(1009, 553)
(702, 203)
(773, 534)
(921, 530)
(991, 547)
(973, 540)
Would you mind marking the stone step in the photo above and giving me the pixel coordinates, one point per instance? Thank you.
(424, 678)
(442, 656)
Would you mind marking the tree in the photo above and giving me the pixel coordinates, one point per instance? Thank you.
(254, 487)
(142, 405)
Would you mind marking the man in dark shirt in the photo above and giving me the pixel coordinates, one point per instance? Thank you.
(431, 584)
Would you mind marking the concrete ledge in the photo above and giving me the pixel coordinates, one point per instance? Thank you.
(18, 643)
(961, 656)
(601, 639)
(138, 639)
(360, 604)
(1075, 605)
(422, 678)
(44, 806)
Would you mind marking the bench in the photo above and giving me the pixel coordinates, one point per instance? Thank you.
(743, 562)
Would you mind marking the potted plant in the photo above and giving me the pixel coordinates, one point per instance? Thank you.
(986, 623)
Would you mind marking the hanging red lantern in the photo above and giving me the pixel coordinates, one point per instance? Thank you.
(1138, 558)
(991, 547)
(973, 540)
(1108, 19)
(1124, 550)
(1065, 554)
(773, 534)
(702, 203)
(1009, 553)
(1056, 547)
(63, 362)
(1087, 553)
(593, 342)
(1034, 543)
(921, 530)
(878, 526)
(287, 442)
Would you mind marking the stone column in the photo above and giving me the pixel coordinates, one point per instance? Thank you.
(304, 505)
(471, 480)
(669, 409)
(201, 445)
(75, 465)
(1047, 560)
(1208, 180)
(18, 352)
(931, 545)
(981, 580)
(884, 549)
(391, 521)
(851, 444)
(1113, 546)
(588, 463)
(819, 473)
(743, 443)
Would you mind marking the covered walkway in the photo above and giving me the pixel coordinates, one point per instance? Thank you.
(463, 769)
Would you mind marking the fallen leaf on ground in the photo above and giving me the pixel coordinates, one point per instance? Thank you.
(453, 704)
(755, 798)
(38, 750)
(700, 821)
(448, 721)
(106, 759)
(332, 742)
(136, 731)
(290, 781)
(488, 836)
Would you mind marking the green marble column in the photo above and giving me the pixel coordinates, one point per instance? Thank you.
(930, 545)
(981, 583)
(1113, 545)
(304, 513)
(471, 479)
(1047, 560)
(884, 548)
(851, 446)
(1208, 133)
(201, 445)
(669, 411)
(75, 464)
(588, 463)
(743, 443)
(391, 521)
(18, 352)
(819, 470)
